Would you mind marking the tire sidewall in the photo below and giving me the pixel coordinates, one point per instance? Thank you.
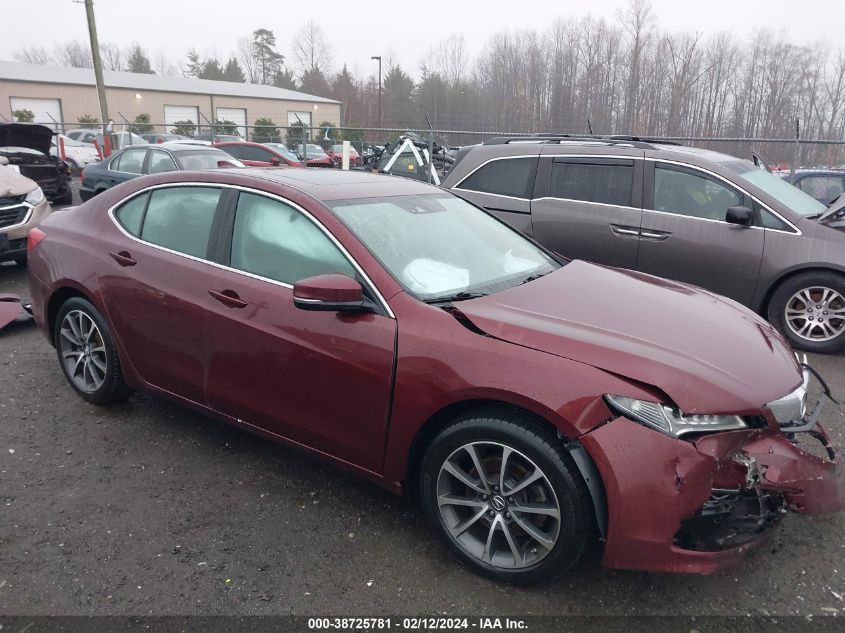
(783, 294)
(113, 383)
(576, 523)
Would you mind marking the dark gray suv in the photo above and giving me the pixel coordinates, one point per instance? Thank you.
(688, 214)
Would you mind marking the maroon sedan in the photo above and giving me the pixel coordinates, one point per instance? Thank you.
(532, 405)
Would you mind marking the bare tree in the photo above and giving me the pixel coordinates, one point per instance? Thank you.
(112, 56)
(449, 58)
(74, 53)
(163, 66)
(638, 22)
(33, 55)
(310, 48)
(247, 58)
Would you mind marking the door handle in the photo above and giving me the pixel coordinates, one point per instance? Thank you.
(624, 230)
(123, 258)
(657, 236)
(228, 298)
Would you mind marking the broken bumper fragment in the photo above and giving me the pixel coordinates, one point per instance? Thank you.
(699, 506)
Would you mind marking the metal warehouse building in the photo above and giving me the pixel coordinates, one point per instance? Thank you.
(59, 96)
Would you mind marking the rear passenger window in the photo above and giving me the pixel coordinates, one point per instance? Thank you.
(512, 177)
(180, 219)
(601, 182)
(131, 213)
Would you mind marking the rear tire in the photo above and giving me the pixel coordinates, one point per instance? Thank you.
(20, 260)
(809, 310)
(526, 526)
(87, 354)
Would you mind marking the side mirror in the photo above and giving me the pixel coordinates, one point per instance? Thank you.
(743, 216)
(328, 293)
(275, 160)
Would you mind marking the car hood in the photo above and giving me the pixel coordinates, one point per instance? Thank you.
(29, 135)
(707, 353)
(13, 184)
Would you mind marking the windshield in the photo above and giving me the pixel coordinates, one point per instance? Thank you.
(438, 245)
(204, 159)
(284, 151)
(788, 195)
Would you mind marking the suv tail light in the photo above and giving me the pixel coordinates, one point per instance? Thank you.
(34, 237)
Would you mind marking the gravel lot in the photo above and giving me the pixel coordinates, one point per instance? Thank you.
(148, 508)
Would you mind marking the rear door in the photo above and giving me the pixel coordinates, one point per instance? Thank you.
(685, 237)
(126, 165)
(504, 186)
(155, 288)
(589, 207)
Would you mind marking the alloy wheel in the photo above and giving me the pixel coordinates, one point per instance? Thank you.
(83, 351)
(816, 313)
(498, 505)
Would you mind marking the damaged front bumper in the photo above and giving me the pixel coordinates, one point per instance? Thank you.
(698, 506)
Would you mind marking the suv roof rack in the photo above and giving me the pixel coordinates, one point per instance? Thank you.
(611, 139)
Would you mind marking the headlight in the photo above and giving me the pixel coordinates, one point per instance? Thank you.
(35, 197)
(670, 420)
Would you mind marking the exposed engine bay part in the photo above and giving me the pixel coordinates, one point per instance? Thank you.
(25, 147)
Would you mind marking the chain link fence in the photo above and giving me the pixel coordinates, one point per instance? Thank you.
(779, 153)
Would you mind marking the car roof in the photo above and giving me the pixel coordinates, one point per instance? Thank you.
(337, 184)
(181, 147)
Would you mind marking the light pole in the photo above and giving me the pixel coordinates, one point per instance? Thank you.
(378, 57)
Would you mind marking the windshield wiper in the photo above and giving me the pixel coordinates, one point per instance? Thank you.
(533, 277)
(459, 296)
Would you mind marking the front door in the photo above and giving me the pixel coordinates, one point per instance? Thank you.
(322, 379)
(685, 237)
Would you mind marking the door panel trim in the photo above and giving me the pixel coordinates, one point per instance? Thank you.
(387, 311)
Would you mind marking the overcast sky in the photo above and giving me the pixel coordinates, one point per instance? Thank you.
(359, 29)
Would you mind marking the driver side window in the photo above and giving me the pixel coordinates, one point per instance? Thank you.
(686, 192)
(274, 240)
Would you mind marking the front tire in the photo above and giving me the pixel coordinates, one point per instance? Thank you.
(809, 310)
(87, 354)
(505, 497)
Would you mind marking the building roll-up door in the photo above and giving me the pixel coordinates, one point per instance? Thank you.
(235, 115)
(174, 114)
(47, 111)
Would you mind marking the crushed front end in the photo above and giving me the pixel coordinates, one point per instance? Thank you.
(697, 502)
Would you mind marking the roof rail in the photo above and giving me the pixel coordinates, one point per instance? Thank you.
(614, 139)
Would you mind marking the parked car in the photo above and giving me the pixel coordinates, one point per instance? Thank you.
(25, 148)
(825, 185)
(162, 137)
(260, 154)
(77, 155)
(135, 161)
(532, 405)
(22, 206)
(316, 156)
(121, 139)
(683, 213)
(335, 152)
